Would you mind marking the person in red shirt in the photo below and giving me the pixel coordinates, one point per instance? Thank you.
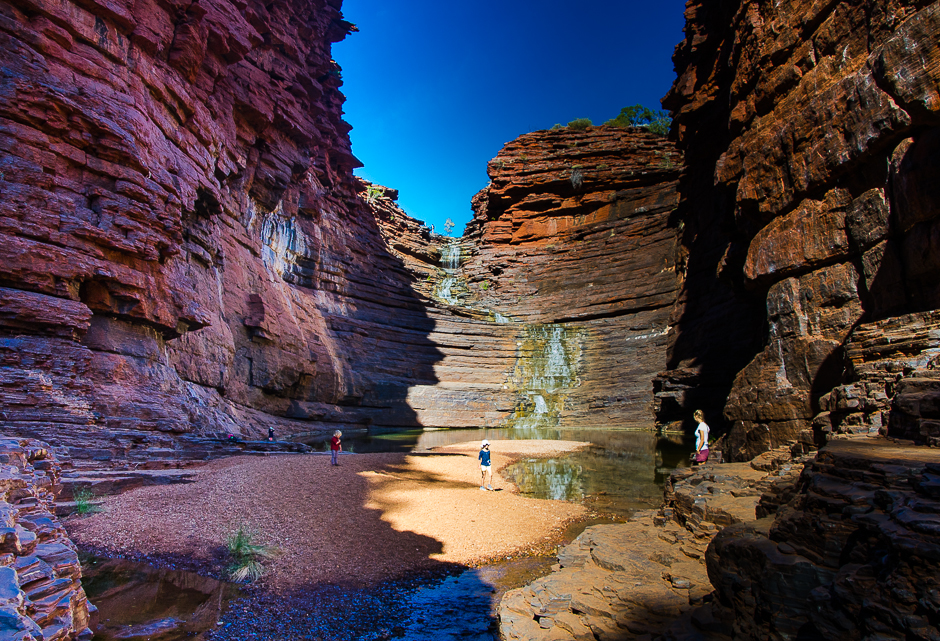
(336, 446)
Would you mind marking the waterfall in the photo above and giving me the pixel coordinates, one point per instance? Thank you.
(450, 262)
(546, 366)
(452, 287)
(450, 257)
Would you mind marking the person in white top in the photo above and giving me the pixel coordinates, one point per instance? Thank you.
(701, 437)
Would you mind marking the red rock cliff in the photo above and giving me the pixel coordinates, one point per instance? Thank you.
(553, 309)
(811, 214)
(176, 167)
(809, 129)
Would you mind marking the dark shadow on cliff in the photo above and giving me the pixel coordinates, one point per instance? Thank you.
(376, 319)
(721, 325)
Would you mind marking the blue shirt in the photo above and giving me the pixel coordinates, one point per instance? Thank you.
(484, 457)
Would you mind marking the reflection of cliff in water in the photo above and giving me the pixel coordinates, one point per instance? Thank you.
(136, 601)
(622, 473)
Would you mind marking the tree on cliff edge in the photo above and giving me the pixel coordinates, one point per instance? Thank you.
(656, 122)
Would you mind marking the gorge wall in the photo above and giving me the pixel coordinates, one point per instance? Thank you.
(553, 308)
(813, 238)
(183, 250)
(810, 209)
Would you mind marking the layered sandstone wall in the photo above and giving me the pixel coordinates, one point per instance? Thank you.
(553, 308)
(810, 129)
(853, 555)
(169, 168)
(186, 253)
(41, 595)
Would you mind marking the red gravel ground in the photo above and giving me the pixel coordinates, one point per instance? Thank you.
(373, 518)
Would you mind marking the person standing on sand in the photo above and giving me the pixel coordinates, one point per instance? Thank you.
(486, 468)
(701, 438)
(336, 446)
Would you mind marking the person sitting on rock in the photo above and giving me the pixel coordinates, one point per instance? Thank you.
(701, 438)
(486, 468)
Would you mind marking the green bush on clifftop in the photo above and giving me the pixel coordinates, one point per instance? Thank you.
(656, 122)
(580, 123)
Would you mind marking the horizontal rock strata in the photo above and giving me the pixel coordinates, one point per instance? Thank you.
(185, 253)
(554, 308)
(808, 128)
(643, 577)
(184, 249)
(853, 555)
(41, 596)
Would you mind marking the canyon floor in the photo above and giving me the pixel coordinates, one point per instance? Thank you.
(373, 518)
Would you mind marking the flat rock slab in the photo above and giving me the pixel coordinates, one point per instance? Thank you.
(616, 581)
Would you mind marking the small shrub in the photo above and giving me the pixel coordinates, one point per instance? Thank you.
(83, 498)
(246, 555)
(374, 192)
(485, 285)
(580, 123)
(557, 126)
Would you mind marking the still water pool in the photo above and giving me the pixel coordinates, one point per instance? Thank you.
(138, 602)
(620, 472)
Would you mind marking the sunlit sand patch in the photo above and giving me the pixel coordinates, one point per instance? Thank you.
(438, 496)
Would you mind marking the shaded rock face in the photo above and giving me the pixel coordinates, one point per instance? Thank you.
(41, 595)
(648, 576)
(812, 132)
(167, 169)
(554, 307)
(853, 555)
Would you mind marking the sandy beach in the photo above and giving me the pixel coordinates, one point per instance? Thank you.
(372, 518)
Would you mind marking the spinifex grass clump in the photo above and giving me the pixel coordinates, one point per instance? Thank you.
(246, 555)
(83, 498)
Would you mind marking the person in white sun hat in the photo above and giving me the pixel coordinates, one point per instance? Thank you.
(486, 468)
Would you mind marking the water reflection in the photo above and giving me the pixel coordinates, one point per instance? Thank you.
(136, 601)
(615, 479)
(622, 470)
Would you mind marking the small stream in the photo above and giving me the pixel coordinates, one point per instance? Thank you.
(620, 472)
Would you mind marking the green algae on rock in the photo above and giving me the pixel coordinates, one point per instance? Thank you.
(547, 366)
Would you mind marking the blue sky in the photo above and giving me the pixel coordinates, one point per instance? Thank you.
(435, 89)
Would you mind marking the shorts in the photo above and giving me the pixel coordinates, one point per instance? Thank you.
(486, 468)
(702, 456)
